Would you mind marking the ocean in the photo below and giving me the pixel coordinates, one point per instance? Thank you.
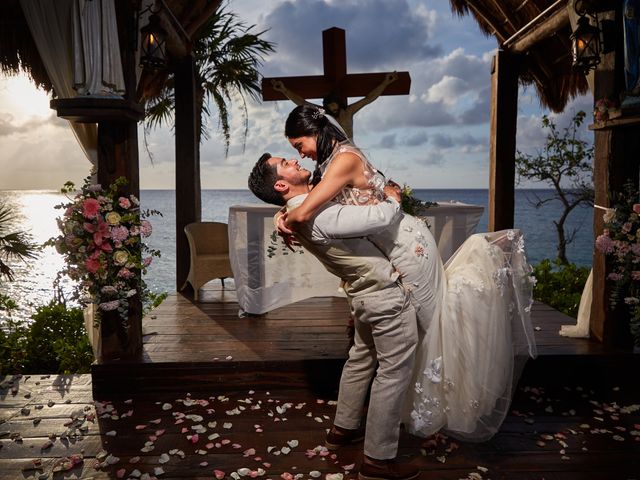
(35, 213)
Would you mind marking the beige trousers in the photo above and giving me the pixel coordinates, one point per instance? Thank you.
(386, 333)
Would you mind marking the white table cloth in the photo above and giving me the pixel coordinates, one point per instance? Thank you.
(267, 275)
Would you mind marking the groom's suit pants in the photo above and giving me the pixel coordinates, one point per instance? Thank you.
(385, 333)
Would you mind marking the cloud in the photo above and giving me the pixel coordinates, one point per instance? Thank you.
(400, 35)
(447, 90)
(388, 141)
(480, 110)
(417, 139)
(8, 125)
(431, 157)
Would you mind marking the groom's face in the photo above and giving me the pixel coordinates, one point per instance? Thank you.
(290, 171)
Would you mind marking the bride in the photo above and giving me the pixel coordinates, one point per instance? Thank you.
(473, 312)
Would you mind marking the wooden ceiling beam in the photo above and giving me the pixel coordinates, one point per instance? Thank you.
(548, 27)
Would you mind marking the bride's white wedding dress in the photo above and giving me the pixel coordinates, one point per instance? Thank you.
(474, 314)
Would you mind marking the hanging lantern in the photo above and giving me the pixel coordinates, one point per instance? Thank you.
(585, 45)
(153, 54)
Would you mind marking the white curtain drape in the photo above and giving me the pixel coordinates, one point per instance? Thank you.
(78, 43)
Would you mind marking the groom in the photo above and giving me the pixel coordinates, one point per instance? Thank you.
(385, 321)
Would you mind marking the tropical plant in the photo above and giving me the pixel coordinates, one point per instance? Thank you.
(54, 341)
(560, 285)
(565, 163)
(14, 245)
(227, 55)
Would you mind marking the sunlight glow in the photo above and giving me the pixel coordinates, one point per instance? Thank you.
(22, 99)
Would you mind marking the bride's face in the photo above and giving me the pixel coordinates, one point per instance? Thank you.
(306, 146)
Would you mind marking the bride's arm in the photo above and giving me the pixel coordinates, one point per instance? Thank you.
(343, 171)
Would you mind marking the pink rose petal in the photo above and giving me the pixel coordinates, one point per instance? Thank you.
(140, 427)
(121, 473)
(219, 474)
(184, 430)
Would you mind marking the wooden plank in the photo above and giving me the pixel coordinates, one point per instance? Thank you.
(502, 147)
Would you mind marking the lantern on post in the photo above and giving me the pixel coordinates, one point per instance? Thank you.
(585, 44)
(153, 50)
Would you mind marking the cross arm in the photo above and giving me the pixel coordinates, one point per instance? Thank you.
(351, 85)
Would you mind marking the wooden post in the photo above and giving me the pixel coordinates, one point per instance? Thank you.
(616, 161)
(502, 147)
(188, 194)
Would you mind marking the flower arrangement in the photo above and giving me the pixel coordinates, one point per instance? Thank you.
(411, 204)
(101, 241)
(620, 242)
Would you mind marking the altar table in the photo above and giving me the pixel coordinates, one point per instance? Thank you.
(267, 275)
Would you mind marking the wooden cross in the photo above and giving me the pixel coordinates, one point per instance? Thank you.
(336, 80)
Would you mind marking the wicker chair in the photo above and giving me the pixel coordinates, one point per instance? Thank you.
(209, 245)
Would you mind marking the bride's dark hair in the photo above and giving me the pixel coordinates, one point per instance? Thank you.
(310, 121)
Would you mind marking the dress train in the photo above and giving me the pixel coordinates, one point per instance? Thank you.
(472, 354)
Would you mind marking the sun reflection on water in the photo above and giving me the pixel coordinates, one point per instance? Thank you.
(33, 285)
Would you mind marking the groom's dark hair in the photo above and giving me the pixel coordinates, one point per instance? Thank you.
(262, 180)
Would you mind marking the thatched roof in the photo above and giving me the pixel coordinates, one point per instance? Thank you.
(18, 51)
(547, 63)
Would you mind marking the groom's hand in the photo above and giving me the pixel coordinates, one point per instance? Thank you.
(286, 233)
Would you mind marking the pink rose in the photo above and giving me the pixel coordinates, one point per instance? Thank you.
(636, 208)
(92, 265)
(145, 228)
(125, 273)
(147, 261)
(90, 208)
(124, 202)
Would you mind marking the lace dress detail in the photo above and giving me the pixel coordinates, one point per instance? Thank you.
(474, 317)
(371, 195)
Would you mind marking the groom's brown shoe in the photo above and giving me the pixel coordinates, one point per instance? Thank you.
(372, 469)
(339, 437)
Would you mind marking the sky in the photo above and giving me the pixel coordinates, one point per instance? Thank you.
(435, 137)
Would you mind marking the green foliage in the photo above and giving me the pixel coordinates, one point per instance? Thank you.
(153, 300)
(564, 164)
(54, 342)
(560, 285)
(14, 245)
(412, 205)
(227, 54)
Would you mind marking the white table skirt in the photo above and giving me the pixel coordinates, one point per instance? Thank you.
(267, 275)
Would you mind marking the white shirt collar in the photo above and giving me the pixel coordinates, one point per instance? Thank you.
(296, 201)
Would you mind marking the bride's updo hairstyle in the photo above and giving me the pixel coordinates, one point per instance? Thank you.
(310, 121)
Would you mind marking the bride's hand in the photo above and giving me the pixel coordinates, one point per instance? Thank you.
(393, 190)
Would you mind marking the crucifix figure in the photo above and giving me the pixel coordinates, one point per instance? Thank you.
(336, 85)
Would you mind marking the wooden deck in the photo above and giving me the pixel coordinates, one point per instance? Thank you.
(207, 345)
(260, 391)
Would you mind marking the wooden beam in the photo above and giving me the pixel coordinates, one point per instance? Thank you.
(547, 28)
(188, 192)
(502, 147)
